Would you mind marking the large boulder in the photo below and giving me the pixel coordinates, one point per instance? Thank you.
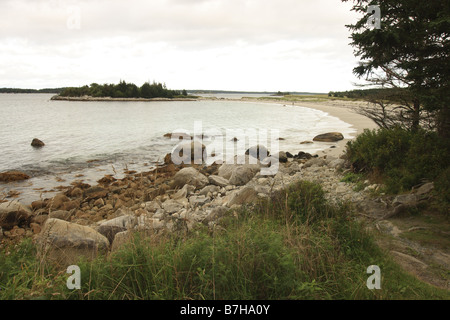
(64, 243)
(225, 170)
(10, 176)
(242, 196)
(13, 213)
(329, 137)
(215, 214)
(242, 174)
(189, 176)
(241, 171)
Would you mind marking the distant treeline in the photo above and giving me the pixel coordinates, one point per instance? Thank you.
(123, 90)
(365, 93)
(16, 90)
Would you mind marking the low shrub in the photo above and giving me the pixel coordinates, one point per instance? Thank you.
(403, 158)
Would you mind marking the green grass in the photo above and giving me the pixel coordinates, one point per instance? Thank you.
(294, 246)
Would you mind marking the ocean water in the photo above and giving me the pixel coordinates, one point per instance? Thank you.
(86, 140)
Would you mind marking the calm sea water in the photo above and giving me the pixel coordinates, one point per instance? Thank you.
(86, 140)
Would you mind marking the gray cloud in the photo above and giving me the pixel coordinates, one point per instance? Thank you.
(140, 37)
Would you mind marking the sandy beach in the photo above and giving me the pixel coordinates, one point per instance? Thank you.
(344, 110)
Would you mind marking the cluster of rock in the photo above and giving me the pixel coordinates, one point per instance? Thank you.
(86, 220)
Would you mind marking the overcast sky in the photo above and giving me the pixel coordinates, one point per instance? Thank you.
(248, 45)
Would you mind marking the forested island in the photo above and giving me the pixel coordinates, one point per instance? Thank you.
(123, 90)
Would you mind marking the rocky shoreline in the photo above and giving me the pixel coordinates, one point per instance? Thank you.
(86, 219)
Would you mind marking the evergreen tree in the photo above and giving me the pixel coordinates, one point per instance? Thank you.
(411, 50)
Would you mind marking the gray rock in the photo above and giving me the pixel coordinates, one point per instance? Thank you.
(425, 189)
(247, 194)
(152, 206)
(171, 206)
(64, 243)
(329, 137)
(198, 200)
(215, 214)
(407, 200)
(210, 188)
(218, 180)
(125, 221)
(318, 162)
(159, 214)
(262, 189)
(121, 239)
(243, 174)
(337, 164)
(190, 176)
(225, 170)
(183, 192)
(124, 211)
(145, 223)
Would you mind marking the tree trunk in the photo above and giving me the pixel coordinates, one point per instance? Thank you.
(444, 122)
